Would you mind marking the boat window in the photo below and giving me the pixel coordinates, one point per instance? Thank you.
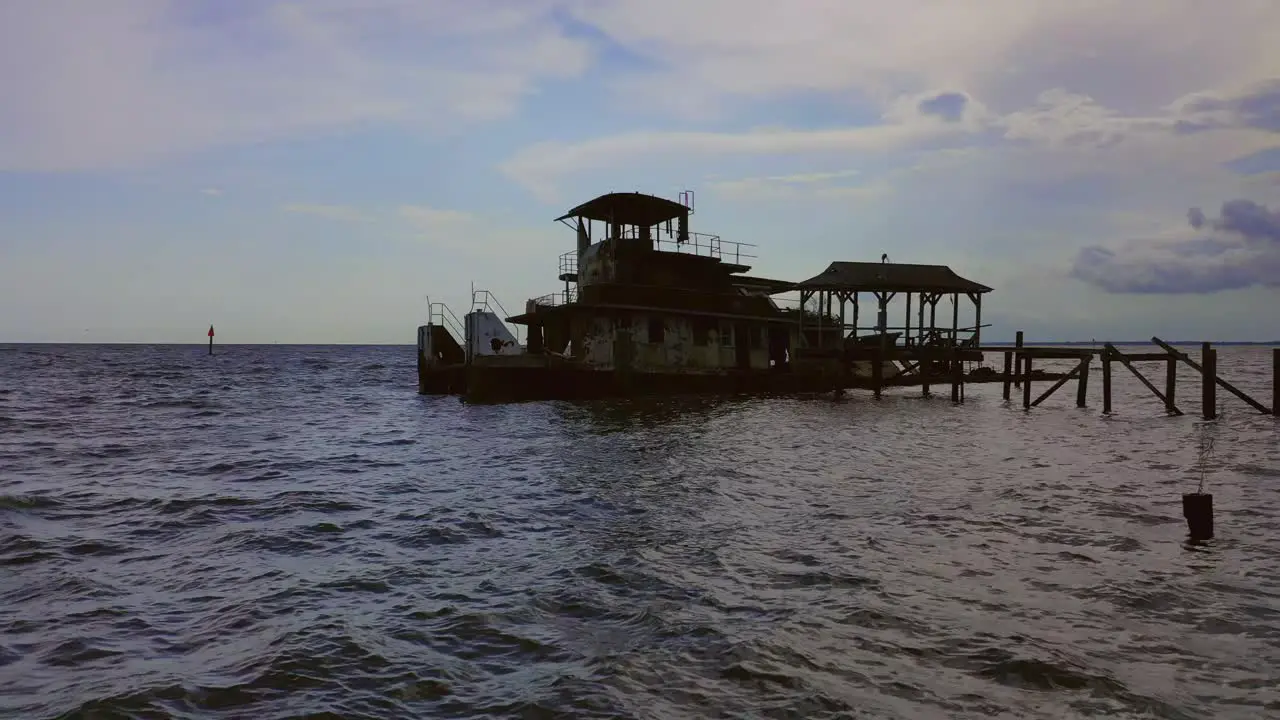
(726, 333)
(702, 331)
(657, 329)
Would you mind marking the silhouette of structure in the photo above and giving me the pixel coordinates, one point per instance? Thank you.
(651, 307)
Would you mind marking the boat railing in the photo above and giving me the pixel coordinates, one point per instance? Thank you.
(485, 301)
(569, 263)
(703, 244)
(557, 299)
(439, 314)
(708, 245)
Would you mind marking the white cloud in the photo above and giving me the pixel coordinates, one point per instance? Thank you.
(92, 85)
(341, 213)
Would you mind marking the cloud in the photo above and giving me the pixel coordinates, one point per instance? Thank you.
(211, 192)
(949, 106)
(540, 166)
(1238, 249)
(107, 85)
(1256, 107)
(821, 186)
(430, 219)
(1062, 132)
(340, 213)
(721, 52)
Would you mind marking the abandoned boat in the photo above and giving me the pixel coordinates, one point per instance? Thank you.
(652, 308)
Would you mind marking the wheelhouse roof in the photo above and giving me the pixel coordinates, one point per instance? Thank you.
(628, 209)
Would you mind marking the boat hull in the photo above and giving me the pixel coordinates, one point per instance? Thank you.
(517, 384)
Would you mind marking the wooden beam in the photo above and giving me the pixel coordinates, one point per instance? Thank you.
(955, 317)
(977, 320)
(1170, 382)
(906, 336)
(924, 300)
(855, 313)
(1054, 388)
(1082, 388)
(1008, 372)
(1275, 381)
(1017, 343)
(1154, 391)
(1055, 353)
(1229, 387)
(957, 376)
(877, 372)
(1106, 382)
(1208, 386)
(1026, 383)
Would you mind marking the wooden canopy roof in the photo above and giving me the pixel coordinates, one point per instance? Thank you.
(891, 277)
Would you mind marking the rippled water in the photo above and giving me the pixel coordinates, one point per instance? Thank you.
(292, 531)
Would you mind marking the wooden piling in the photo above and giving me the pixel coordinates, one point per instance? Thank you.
(1275, 381)
(924, 367)
(1214, 375)
(1170, 382)
(1026, 383)
(957, 377)
(1008, 372)
(1209, 380)
(1106, 381)
(877, 372)
(1082, 387)
(1017, 343)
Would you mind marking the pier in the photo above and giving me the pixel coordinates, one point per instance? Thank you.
(1019, 372)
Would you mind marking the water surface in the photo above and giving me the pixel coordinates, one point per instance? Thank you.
(292, 532)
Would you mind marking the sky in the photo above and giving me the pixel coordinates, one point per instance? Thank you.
(317, 171)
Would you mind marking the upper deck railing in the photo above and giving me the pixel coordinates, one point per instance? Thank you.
(700, 244)
(557, 299)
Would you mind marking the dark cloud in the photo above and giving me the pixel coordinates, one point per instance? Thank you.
(948, 105)
(1258, 108)
(1241, 249)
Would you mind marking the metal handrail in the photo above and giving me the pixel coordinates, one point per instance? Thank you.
(705, 244)
(447, 320)
(713, 245)
(556, 299)
(486, 301)
(569, 263)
